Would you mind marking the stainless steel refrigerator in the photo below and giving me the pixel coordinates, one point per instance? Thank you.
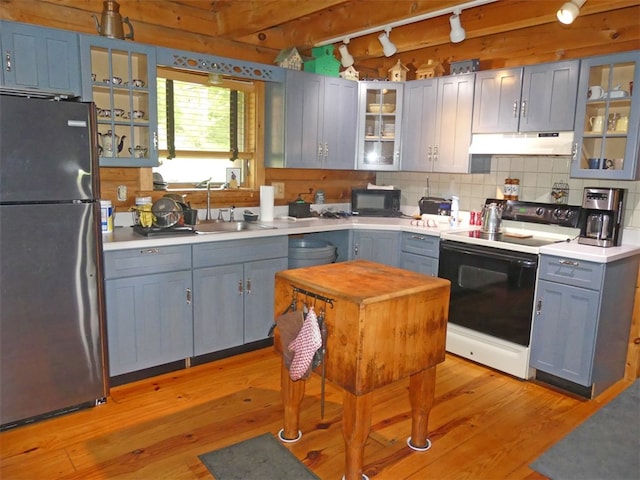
(52, 332)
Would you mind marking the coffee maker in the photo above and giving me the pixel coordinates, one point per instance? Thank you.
(601, 216)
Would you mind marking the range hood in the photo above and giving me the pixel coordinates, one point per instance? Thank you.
(543, 143)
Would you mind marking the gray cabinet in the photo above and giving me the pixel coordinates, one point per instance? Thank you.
(376, 245)
(537, 98)
(148, 302)
(420, 253)
(379, 125)
(120, 77)
(233, 285)
(40, 59)
(320, 118)
(437, 124)
(582, 318)
(607, 125)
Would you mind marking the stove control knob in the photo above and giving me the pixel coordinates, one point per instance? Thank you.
(540, 211)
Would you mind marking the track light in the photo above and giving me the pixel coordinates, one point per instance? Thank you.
(457, 32)
(346, 58)
(569, 11)
(388, 48)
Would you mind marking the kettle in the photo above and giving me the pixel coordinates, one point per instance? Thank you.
(491, 218)
(112, 21)
(109, 142)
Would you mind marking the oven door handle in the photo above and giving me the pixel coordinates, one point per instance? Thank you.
(511, 256)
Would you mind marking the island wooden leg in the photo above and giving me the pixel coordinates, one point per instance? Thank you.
(421, 393)
(356, 424)
(292, 394)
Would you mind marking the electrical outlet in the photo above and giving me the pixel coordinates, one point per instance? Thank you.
(278, 189)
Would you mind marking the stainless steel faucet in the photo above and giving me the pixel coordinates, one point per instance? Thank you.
(231, 210)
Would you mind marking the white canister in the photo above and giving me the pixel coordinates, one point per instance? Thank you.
(106, 216)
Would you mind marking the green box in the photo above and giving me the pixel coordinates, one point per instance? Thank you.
(323, 62)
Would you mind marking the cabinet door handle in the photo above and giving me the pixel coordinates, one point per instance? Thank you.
(429, 148)
(435, 153)
(189, 296)
(150, 251)
(240, 288)
(326, 150)
(515, 108)
(355, 249)
(320, 151)
(248, 286)
(571, 263)
(7, 57)
(418, 237)
(524, 108)
(574, 151)
(539, 306)
(155, 140)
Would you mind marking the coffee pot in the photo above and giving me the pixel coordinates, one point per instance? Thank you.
(491, 218)
(109, 142)
(111, 25)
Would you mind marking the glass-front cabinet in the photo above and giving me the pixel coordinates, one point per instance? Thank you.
(379, 126)
(607, 118)
(122, 83)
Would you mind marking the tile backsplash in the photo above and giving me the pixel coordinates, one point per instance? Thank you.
(537, 175)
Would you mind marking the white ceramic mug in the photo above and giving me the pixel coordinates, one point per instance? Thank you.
(622, 124)
(596, 92)
(596, 123)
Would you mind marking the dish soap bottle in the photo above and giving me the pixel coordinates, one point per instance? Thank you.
(455, 210)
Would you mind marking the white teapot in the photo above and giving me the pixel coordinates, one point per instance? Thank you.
(110, 144)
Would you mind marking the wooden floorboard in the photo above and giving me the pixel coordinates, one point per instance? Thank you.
(483, 425)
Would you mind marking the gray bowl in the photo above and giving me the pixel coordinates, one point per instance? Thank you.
(250, 217)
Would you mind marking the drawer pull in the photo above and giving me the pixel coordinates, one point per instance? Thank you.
(571, 263)
(150, 251)
(418, 237)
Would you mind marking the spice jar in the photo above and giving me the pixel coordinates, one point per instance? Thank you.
(508, 188)
(515, 189)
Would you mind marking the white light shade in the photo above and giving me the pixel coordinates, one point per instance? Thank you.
(569, 11)
(346, 58)
(457, 32)
(388, 48)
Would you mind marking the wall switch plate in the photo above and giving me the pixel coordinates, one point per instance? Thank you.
(278, 189)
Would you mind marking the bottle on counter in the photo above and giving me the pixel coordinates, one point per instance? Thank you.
(455, 210)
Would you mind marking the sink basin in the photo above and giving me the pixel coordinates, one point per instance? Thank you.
(238, 226)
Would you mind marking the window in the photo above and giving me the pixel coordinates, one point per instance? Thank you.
(204, 129)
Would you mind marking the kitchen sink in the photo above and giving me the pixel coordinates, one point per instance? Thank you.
(236, 226)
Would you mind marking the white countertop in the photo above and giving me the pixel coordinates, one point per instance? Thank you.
(124, 238)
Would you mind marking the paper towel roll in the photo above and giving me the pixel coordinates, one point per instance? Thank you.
(266, 203)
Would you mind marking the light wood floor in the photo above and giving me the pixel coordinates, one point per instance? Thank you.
(484, 425)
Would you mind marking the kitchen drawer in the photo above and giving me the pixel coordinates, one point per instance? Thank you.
(239, 251)
(420, 244)
(568, 271)
(142, 261)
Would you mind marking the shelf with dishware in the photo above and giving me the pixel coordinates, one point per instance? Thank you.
(123, 88)
(606, 127)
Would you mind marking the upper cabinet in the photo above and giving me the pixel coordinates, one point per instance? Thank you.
(537, 98)
(379, 125)
(437, 124)
(320, 118)
(120, 77)
(608, 118)
(42, 59)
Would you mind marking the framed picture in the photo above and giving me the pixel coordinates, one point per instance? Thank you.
(233, 178)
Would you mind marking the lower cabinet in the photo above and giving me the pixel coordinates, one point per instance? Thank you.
(581, 322)
(149, 311)
(420, 253)
(376, 245)
(233, 287)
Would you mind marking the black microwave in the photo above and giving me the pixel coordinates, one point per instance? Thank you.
(373, 202)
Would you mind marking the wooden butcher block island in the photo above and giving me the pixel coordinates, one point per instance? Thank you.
(383, 324)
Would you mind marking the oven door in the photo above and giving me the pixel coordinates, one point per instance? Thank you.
(492, 290)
